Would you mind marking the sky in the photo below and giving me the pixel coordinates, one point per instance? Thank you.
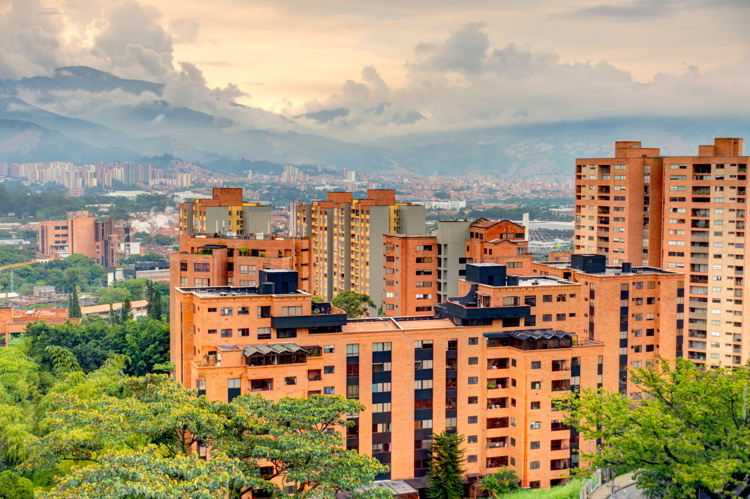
(399, 67)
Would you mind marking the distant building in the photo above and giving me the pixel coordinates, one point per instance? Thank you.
(347, 239)
(225, 213)
(13, 323)
(453, 204)
(139, 308)
(81, 233)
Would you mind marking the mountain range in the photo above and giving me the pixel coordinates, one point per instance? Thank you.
(147, 124)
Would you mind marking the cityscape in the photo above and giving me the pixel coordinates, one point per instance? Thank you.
(499, 263)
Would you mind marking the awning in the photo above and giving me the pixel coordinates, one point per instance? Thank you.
(273, 349)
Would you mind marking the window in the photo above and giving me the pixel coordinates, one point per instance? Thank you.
(473, 361)
(420, 364)
(329, 390)
(535, 425)
(226, 311)
(424, 259)
(264, 333)
(471, 458)
(329, 349)
(352, 350)
(473, 380)
(547, 299)
(212, 331)
(290, 380)
(386, 427)
(473, 400)
(535, 445)
(329, 369)
(386, 387)
(183, 281)
(286, 333)
(201, 267)
(264, 312)
(473, 340)
(382, 407)
(291, 311)
(534, 465)
(381, 347)
(243, 310)
(226, 333)
(536, 364)
(183, 266)
(536, 385)
(472, 420)
(471, 439)
(201, 282)
(536, 405)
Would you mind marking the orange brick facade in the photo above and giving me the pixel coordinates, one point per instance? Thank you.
(410, 270)
(693, 222)
(488, 366)
(13, 323)
(499, 242)
(85, 235)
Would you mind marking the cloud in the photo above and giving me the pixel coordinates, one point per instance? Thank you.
(184, 30)
(465, 83)
(29, 38)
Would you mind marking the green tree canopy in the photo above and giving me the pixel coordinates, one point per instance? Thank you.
(354, 304)
(688, 433)
(106, 296)
(446, 467)
(501, 482)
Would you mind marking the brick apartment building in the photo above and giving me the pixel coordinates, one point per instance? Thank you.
(225, 213)
(410, 275)
(237, 261)
(502, 242)
(683, 213)
(347, 239)
(13, 323)
(100, 240)
(488, 366)
(636, 312)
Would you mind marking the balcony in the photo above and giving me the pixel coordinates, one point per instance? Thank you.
(498, 363)
(497, 383)
(497, 462)
(560, 385)
(497, 442)
(497, 403)
(559, 464)
(323, 316)
(493, 423)
(559, 426)
(559, 445)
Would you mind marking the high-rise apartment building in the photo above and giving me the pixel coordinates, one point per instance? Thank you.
(347, 239)
(618, 205)
(693, 213)
(638, 313)
(83, 234)
(410, 274)
(489, 367)
(225, 213)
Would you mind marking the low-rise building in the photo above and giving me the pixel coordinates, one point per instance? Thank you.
(13, 323)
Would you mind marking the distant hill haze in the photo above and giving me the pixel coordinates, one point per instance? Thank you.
(144, 123)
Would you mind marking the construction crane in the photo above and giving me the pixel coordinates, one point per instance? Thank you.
(16, 265)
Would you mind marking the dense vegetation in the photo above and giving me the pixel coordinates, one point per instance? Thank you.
(52, 204)
(688, 434)
(62, 274)
(12, 254)
(100, 434)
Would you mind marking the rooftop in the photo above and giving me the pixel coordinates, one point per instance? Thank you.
(231, 291)
(611, 270)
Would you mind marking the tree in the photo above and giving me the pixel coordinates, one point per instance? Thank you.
(73, 277)
(114, 317)
(354, 304)
(74, 307)
(154, 301)
(689, 432)
(500, 482)
(13, 486)
(126, 312)
(106, 296)
(446, 470)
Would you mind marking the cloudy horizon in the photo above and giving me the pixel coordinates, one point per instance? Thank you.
(359, 71)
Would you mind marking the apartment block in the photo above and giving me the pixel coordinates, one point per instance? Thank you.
(347, 239)
(618, 205)
(502, 242)
(410, 275)
(237, 261)
(226, 213)
(701, 201)
(638, 313)
(489, 367)
(81, 233)
(451, 237)
(705, 203)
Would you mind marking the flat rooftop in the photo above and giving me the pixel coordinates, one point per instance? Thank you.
(396, 324)
(524, 281)
(614, 270)
(231, 291)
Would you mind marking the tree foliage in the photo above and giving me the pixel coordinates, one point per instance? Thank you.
(501, 482)
(446, 467)
(74, 307)
(689, 432)
(86, 274)
(354, 304)
(145, 342)
(13, 486)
